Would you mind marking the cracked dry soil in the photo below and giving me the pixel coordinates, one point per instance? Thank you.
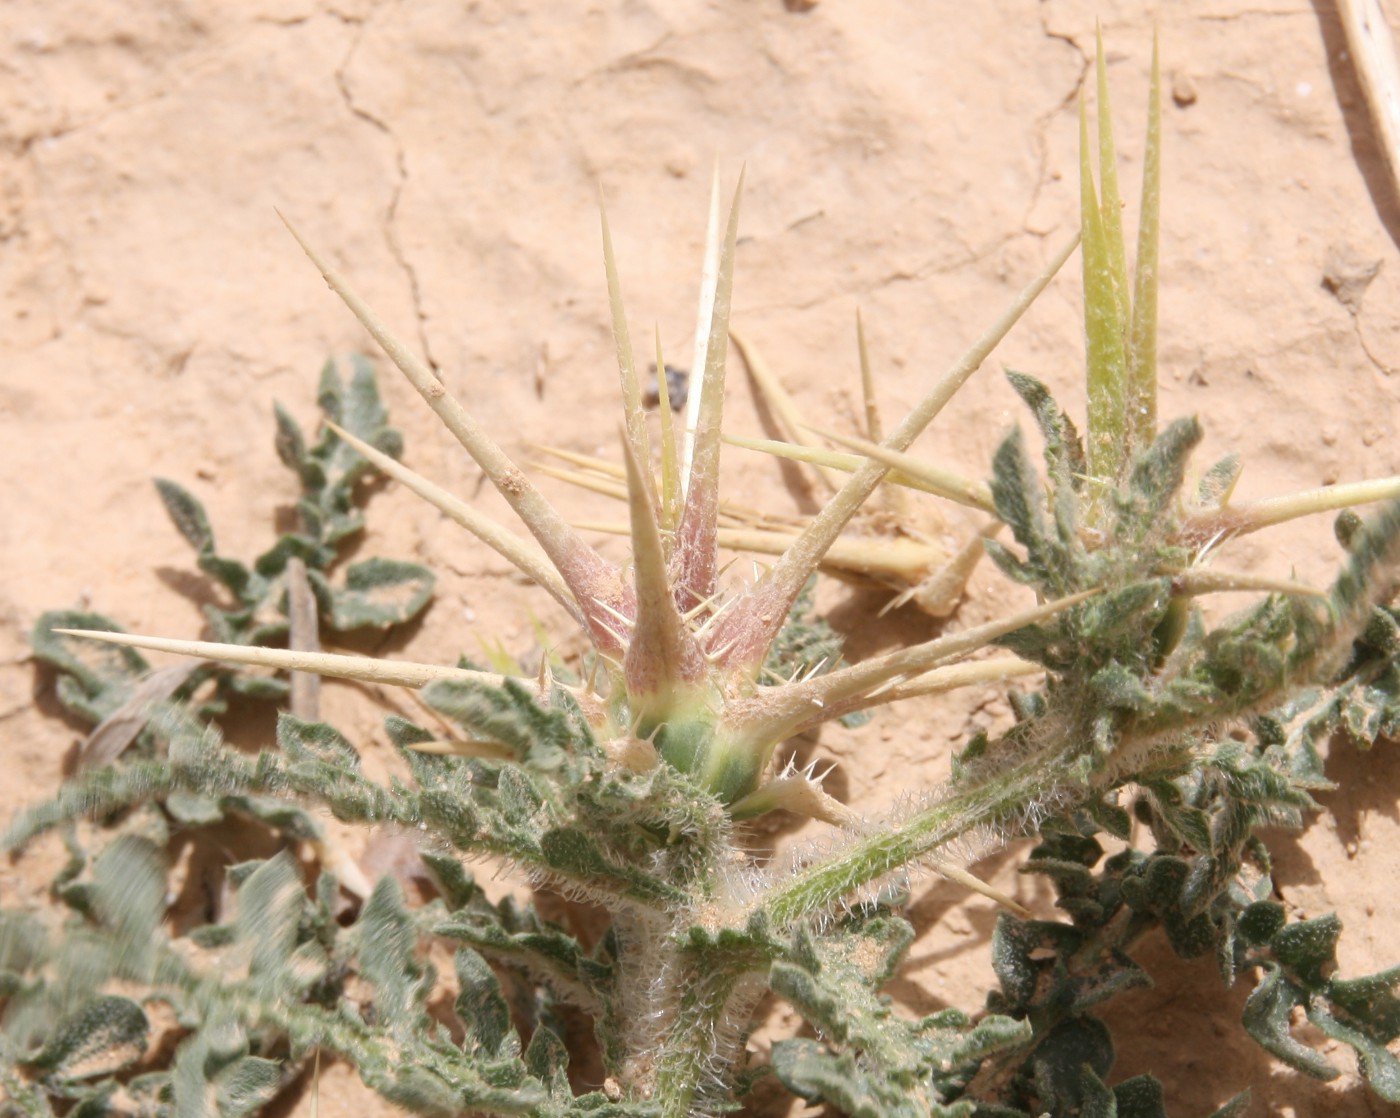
(916, 161)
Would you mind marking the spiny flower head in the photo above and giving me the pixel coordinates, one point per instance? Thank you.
(681, 657)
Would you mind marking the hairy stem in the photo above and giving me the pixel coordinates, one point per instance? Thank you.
(705, 1029)
(995, 801)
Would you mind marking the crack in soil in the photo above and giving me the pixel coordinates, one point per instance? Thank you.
(396, 250)
(1045, 119)
(1359, 327)
(1249, 13)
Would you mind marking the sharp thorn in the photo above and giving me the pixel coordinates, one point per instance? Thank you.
(612, 611)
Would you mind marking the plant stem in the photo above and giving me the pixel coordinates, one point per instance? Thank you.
(999, 799)
(706, 1019)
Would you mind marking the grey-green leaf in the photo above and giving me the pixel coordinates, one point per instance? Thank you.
(188, 514)
(379, 593)
(104, 1036)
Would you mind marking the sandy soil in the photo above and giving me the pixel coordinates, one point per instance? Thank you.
(913, 160)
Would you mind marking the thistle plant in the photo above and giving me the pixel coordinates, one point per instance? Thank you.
(628, 785)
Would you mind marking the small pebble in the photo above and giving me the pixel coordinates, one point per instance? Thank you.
(1183, 91)
(1347, 272)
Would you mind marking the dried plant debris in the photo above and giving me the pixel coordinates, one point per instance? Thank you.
(627, 784)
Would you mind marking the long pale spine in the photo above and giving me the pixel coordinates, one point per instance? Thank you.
(1103, 330)
(1142, 342)
(775, 593)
